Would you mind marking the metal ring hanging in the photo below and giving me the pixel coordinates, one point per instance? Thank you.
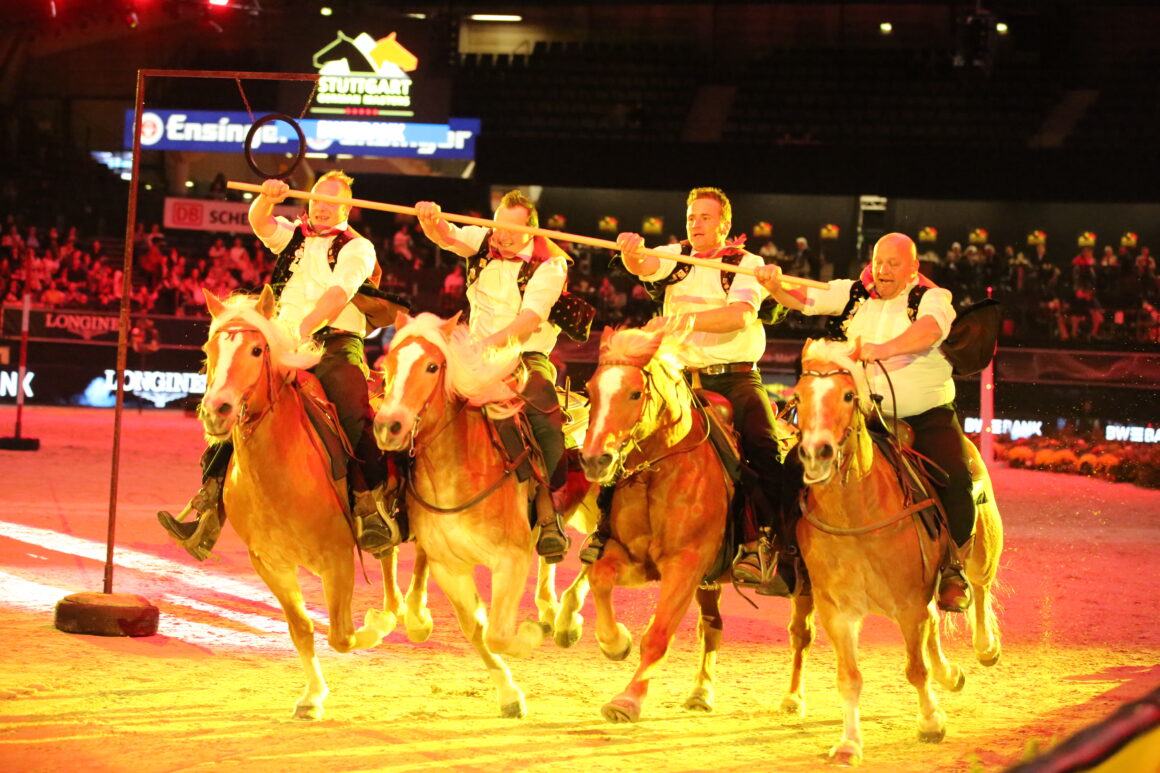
(249, 145)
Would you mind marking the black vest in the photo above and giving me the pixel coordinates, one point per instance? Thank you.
(284, 266)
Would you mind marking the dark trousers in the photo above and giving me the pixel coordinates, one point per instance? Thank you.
(545, 416)
(342, 373)
(938, 436)
(753, 420)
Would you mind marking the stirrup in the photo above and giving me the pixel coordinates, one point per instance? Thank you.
(593, 548)
(760, 570)
(553, 543)
(197, 537)
(954, 592)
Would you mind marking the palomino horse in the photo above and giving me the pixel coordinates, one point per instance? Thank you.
(466, 507)
(867, 553)
(649, 436)
(278, 491)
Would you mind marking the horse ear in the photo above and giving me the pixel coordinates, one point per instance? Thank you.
(215, 306)
(401, 319)
(450, 324)
(856, 349)
(265, 305)
(606, 338)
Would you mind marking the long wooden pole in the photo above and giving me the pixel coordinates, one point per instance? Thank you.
(557, 235)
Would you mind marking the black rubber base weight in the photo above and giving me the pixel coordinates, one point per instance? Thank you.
(19, 444)
(107, 614)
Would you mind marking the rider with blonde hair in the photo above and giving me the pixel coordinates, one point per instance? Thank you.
(726, 341)
(321, 264)
(513, 281)
(900, 317)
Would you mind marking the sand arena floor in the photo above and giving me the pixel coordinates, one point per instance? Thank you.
(215, 688)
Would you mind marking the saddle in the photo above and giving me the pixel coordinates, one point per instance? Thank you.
(328, 435)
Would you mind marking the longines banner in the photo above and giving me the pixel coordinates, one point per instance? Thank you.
(97, 327)
(225, 132)
(213, 215)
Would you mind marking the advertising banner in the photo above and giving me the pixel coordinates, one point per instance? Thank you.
(225, 132)
(213, 215)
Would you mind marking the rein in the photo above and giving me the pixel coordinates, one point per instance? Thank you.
(631, 437)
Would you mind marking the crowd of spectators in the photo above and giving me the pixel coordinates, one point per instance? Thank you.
(1114, 296)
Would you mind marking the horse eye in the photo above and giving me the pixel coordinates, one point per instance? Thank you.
(256, 351)
(634, 396)
(848, 397)
(432, 367)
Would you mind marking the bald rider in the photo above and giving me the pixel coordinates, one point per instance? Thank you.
(878, 313)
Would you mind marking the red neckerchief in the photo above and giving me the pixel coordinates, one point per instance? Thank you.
(309, 230)
(868, 280)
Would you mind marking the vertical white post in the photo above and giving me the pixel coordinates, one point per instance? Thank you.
(987, 409)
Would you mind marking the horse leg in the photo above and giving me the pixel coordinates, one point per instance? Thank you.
(801, 637)
(918, 628)
(843, 632)
(460, 590)
(614, 639)
(709, 632)
(387, 618)
(679, 580)
(417, 617)
(547, 604)
(338, 588)
(948, 674)
(981, 567)
(504, 635)
(283, 582)
(569, 622)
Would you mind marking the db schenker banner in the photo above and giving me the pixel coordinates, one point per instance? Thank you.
(213, 215)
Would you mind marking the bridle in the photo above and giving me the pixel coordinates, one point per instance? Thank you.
(246, 423)
(843, 461)
(631, 438)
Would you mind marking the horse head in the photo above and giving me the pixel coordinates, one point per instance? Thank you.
(619, 391)
(245, 352)
(414, 376)
(831, 397)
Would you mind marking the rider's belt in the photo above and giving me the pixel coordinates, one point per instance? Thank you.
(331, 332)
(725, 367)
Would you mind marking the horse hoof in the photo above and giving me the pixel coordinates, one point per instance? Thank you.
(792, 705)
(701, 699)
(381, 620)
(624, 636)
(990, 660)
(621, 710)
(847, 754)
(932, 736)
(513, 710)
(567, 638)
(960, 683)
(418, 630)
(308, 712)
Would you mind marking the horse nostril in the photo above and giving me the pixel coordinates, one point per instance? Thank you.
(605, 459)
(224, 409)
(826, 452)
(394, 427)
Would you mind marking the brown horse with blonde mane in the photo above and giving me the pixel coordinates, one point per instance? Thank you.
(867, 551)
(648, 435)
(279, 491)
(466, 505)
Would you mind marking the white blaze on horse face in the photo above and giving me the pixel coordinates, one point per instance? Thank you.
(227, 346)
(813, 434)
(610, 383)
(405, 363)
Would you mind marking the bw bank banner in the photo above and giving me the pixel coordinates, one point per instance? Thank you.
(225, 132)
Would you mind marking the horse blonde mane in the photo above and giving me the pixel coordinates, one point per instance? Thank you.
(840, 354)
(475, 373)
(285, 350)
(635, 346)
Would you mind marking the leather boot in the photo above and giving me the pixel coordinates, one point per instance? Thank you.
(199, 535)
(756, 566)
(553, 543)
(593, 548)
(378, 530)
(954, 593)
